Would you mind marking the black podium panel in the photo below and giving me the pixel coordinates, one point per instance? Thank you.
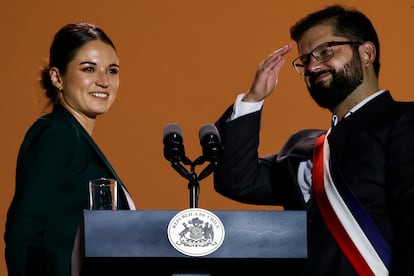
(136, 243)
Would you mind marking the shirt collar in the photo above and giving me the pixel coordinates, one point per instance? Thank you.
(335, 118)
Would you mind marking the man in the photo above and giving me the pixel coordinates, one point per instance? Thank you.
(357, 186)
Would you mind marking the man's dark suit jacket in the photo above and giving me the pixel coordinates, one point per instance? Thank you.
(373, 147)
(56, 160)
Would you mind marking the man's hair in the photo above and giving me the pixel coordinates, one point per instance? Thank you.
(348, 23)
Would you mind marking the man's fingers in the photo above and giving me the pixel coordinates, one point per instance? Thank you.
(275, 57)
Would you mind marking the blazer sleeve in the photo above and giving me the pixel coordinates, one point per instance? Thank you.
(43, 157)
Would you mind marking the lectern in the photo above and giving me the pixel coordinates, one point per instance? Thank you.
(136, 243)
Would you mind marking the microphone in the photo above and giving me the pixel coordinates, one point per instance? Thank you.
(174, 149)
(173, 144)
(211, 143)
(212, 149)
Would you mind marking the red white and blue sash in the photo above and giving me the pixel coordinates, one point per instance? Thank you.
(345, 216)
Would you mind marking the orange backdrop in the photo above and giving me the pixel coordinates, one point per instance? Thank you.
(183, 62)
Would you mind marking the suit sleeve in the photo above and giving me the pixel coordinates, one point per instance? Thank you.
(242, 175)
(400, 188)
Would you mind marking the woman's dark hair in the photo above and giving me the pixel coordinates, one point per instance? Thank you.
(348, 23)
(66, 43)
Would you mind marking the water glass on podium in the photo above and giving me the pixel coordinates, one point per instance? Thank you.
(103, 194)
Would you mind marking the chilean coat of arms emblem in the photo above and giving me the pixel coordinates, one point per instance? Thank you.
(196, 232)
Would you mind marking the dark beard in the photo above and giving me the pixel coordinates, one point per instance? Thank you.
(342, 84)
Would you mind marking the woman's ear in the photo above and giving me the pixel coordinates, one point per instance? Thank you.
(56, 78)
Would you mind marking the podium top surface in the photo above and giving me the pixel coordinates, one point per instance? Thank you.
(143, 234)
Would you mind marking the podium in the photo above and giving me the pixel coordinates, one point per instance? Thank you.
(136, 243)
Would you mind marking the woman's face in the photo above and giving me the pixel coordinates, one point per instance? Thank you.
(91, 81)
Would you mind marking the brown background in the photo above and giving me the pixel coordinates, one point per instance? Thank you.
(183, 62)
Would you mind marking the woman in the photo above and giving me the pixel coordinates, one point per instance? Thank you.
(58, 156)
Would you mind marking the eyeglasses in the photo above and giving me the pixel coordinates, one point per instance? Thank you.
(321, 53)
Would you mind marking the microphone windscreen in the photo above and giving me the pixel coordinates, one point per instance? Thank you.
(172, 128)
(208, 129)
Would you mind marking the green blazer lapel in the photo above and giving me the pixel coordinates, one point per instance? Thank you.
(82, 132)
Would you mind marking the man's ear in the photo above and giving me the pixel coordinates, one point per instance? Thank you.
(368, 52)
(56, 78)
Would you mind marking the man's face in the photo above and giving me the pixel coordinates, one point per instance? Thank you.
(331, 81)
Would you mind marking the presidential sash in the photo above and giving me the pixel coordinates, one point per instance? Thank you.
(346, 218)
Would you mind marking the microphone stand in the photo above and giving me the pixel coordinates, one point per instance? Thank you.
(191, 176)
(194, 187)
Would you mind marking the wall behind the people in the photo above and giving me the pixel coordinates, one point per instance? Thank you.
(182, 62)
